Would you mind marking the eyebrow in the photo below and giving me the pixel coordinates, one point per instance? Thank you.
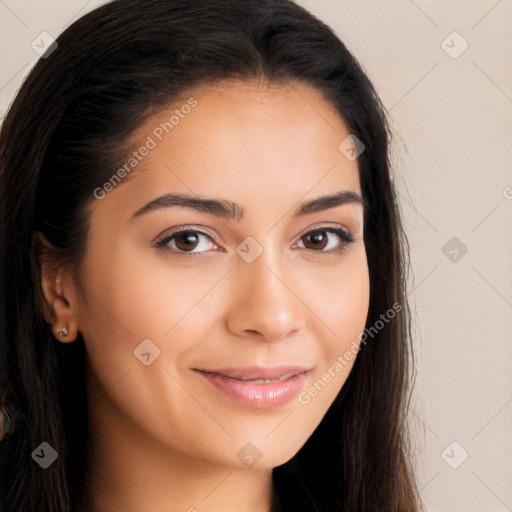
(227, 209)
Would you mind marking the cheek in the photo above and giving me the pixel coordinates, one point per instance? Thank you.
(131, 295)
(349, 308)
(341, 299)
(132, 299)
(341, 303)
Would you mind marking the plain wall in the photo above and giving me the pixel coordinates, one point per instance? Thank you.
(451, 111)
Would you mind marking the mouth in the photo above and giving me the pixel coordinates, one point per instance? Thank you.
(258, 374)
(257, 387)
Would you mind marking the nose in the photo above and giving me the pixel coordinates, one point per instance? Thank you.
(265, 300)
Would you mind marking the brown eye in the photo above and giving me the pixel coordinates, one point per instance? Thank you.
(186, 240)
(323, 240)
(318, 239)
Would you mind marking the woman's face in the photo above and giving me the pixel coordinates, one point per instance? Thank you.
(248, 290)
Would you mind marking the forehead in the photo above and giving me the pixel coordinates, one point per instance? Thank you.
(244, 140)
(232, 117)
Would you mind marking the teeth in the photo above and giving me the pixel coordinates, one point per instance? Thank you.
(259, 381)
(265, 381)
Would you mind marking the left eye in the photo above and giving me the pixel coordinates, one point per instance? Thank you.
(185, 242)
(318, 236)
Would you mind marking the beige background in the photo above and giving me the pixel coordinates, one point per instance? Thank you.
(452, 114)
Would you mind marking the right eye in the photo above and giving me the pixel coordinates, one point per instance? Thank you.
(184, 241)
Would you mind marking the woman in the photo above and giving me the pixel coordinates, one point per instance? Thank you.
(204, 269)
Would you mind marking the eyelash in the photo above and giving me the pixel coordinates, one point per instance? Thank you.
(346, 237)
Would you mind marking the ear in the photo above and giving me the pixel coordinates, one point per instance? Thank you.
(59, 304)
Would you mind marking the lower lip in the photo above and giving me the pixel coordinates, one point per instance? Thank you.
(262, 395)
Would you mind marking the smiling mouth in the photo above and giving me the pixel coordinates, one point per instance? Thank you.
(255, 381)
(272, 389)
(257, 374)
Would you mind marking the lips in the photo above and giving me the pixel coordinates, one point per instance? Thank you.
(256, 386)
(258, 373)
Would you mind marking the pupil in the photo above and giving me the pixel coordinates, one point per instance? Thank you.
(318, 237)
(187, 238)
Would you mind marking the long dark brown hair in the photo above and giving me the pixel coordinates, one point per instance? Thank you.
(64, 135)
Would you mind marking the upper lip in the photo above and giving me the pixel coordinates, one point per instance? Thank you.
(257, 372)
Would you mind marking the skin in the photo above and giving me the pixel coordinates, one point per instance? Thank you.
(162, 437)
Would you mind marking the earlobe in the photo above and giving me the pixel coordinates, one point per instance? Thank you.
(64, 326)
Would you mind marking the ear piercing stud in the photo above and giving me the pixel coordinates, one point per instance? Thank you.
(63, 332)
